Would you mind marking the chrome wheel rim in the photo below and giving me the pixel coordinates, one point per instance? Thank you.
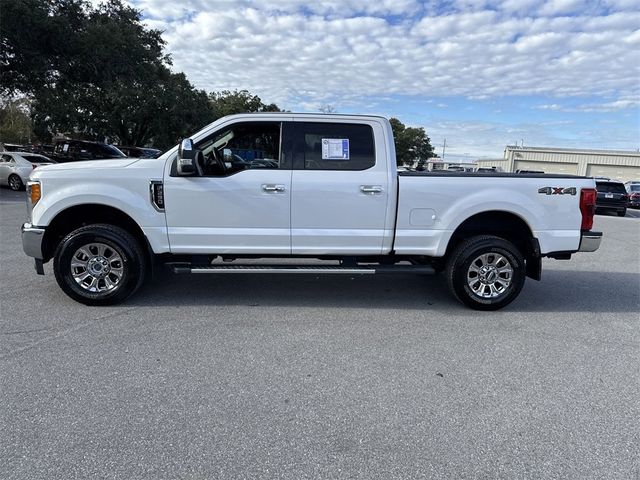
(97, 268)
(489, 275)
(15, 183)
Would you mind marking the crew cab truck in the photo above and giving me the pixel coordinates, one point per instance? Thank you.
(280, 186)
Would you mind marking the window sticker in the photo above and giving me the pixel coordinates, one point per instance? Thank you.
(335, 149)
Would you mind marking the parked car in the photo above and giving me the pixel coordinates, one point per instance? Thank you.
(12, 147)
(633, 190)
(139, 152)
(530, 172)
(76, 150)
(42, 149)
(15, 167)
(460, 168)
(612, 196)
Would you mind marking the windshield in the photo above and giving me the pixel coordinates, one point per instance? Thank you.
(634, 188)
(106, 151)
(150, 153)
(610, 187)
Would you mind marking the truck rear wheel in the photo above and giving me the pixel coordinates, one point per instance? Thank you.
(485, 272)
(99, 265)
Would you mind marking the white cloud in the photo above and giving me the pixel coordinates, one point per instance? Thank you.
(619, 104)
(329, 8)
(625, 102)
(289, 52)
(552, 106)
(469, 140)
(559, 7)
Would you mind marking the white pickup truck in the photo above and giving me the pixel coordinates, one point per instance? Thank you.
(299, 186)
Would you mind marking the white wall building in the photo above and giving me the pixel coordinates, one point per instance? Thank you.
(615, 164)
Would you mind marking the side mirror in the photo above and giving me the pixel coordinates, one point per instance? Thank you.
(186, 164)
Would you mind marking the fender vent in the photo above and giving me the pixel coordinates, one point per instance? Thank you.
(157, 195)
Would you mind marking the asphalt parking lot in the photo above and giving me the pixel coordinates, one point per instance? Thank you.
(323, 377)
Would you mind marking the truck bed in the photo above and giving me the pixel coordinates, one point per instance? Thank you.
(432, 205)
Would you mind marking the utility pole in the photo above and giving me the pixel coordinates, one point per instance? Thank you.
(444, 146)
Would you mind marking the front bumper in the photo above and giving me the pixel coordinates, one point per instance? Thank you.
(32, 240)
(590, 241)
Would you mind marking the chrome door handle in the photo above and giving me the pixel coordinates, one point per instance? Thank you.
(371, 189)
(273, 188)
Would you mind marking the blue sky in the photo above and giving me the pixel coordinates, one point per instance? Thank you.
(482, 74)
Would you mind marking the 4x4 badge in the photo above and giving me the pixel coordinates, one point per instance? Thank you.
(557, 191)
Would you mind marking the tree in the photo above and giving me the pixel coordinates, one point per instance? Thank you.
(411, 143)
(37, 42)
(15, 122)
(229, 102)
(100, 73)
(184, 111)
(326, 108)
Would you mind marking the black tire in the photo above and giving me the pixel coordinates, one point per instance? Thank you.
(460, 278)
(622, 213)
(121, 248)
(15, 182)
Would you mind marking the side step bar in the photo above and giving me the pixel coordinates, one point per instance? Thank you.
(309, 269)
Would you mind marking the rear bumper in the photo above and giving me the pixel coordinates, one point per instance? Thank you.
(618, 206)
(32, 240)
(590, 241)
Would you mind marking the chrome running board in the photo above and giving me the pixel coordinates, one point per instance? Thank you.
(298, 269)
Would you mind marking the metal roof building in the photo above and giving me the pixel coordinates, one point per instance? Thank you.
(616, 164)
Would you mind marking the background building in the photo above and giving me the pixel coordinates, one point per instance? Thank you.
(615, 164)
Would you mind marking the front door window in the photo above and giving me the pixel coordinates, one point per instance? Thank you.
(242, 146)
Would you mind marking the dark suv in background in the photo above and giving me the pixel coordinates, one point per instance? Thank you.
(612, 196)
(77, 150)
(633, 189)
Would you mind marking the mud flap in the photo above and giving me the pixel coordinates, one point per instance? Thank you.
(534, 261)
(39, 264)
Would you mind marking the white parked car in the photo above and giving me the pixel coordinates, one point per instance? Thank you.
(15, 167)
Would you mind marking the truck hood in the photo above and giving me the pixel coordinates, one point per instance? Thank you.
(90, 164)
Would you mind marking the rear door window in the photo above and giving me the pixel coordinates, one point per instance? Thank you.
(334, 146)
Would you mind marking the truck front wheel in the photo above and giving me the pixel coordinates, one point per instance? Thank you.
(99, 265)
(485, 272)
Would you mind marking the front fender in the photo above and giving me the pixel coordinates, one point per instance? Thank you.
(134, 202)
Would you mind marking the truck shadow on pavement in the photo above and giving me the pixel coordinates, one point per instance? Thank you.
(559, 291)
